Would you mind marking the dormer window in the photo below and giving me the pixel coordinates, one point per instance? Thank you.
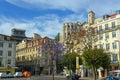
(105, 16)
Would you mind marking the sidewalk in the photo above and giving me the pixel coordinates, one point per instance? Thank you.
(89, 78)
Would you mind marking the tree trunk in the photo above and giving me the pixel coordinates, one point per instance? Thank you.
(94, 72)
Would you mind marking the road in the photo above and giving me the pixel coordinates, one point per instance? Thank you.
(57, 77)
(37, 78)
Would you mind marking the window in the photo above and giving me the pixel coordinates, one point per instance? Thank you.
(114, 57)
(114, 45)
(68, 33)
(10, 45)
(113, 34)
(1, 52)
(113, 25)
(9, 61)
(23, 57)
(101, 46)
(107, 46)
(106, 26)
(106, 36)
(1, 37)
(100, 28)
(9, 53)
(1, 44)
(100, 37)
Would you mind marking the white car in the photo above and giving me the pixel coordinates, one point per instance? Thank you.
(18, 74)
(3, 75)
(10, 75)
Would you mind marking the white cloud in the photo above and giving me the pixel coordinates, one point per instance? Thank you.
(51, 24)
(100, 7)
(48, 25)
(73, 5)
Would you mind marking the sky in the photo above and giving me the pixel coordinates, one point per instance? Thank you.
(46, 17)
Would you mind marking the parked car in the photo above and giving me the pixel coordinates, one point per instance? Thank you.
(115, 73)
(10, 75)
(3, 75)
(111, 78)
(18, 74)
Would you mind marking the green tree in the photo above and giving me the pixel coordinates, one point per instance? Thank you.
(95, 58)
(69, 60)
(57, 37)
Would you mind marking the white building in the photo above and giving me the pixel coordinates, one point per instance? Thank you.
(109, 37)
(7, 51)
(108, 27)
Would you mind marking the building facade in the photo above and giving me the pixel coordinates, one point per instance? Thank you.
(69, 28)
(7, 51)
(108, 38)
(35, 54)
(18, 34)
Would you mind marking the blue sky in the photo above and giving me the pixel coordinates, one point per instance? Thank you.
(46, 17)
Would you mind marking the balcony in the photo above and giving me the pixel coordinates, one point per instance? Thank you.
(114, 62)
(110, 29)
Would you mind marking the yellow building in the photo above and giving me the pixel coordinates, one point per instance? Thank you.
(32, 54)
